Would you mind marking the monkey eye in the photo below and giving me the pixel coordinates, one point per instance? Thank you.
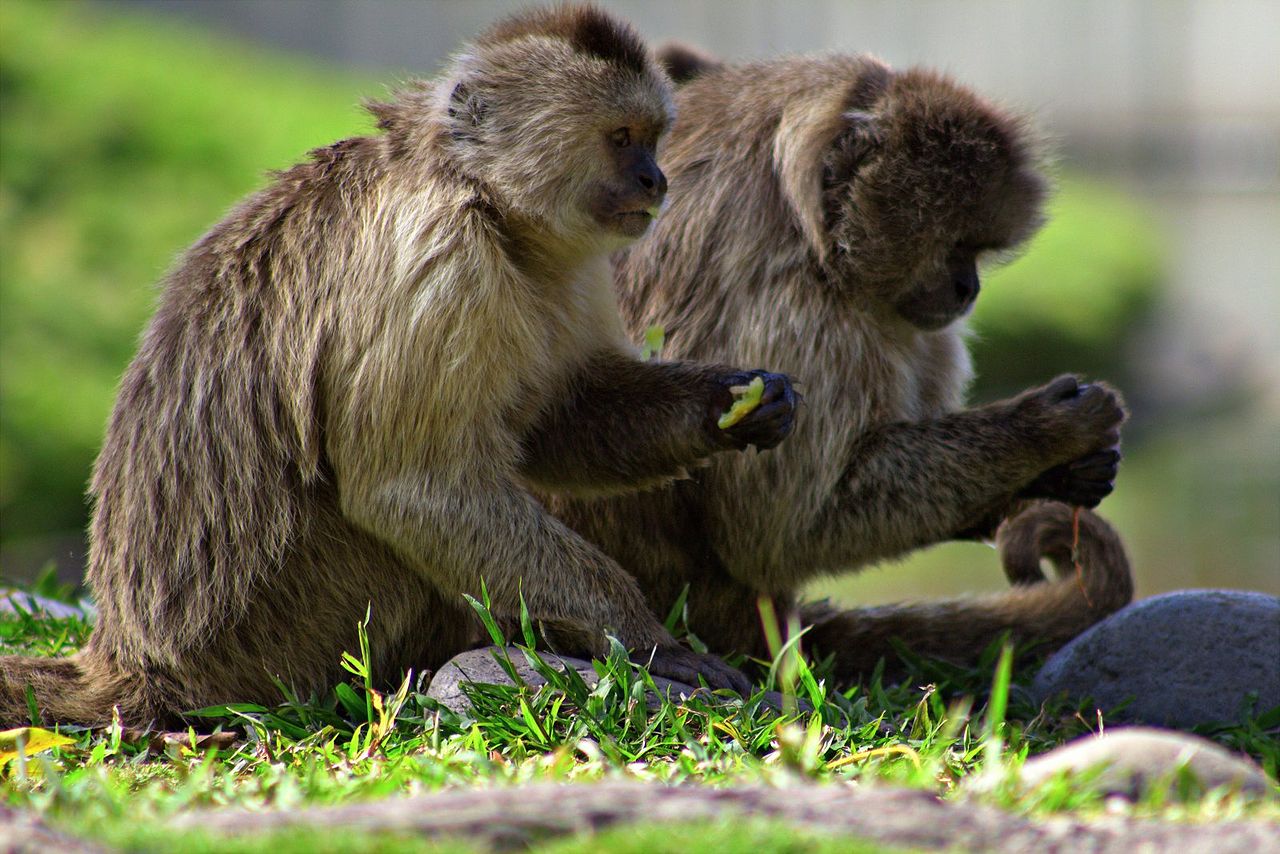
(621, 137)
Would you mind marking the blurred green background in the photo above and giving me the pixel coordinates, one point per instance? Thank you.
(124, 136)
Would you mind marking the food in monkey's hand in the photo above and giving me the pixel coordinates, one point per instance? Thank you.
(746, 399)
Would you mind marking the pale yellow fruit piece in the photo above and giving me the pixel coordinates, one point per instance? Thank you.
(747, 399)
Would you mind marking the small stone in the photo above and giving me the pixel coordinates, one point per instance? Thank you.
(1183, 659)
(23, 832)
(1131, 760)
(479, 666)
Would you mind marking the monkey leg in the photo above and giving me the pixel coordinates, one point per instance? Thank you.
(292, 632)
(498, 535)
(1046, 613)
(627, 424)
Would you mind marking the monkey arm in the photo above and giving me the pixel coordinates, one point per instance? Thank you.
(954, 475)
(903, 485)
(626, 424)
(912, 484)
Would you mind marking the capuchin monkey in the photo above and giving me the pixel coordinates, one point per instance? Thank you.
(353, 382)
(829, 216)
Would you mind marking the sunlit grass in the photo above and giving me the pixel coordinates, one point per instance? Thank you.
(931, 731)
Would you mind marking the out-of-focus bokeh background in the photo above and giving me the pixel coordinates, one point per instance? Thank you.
(127, 128)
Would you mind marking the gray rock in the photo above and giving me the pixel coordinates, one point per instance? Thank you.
(1129, 761)
(1185, 658)
(480, 667)
(11, 600)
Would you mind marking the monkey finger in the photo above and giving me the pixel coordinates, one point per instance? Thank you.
(682, 665)
(766, 426)
(773, 419)
(730, 677)
(1064, 387)
(1089, 494)
(1084, 492)
(776, 387)
(1100, 405)
(1098, 465)
(1083, 482)
(1110, 439)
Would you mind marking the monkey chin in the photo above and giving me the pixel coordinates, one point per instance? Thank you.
(632, 224)
(930, 318)
(932, 322)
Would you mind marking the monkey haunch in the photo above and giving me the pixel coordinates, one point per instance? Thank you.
(828, 216)
(352, 381)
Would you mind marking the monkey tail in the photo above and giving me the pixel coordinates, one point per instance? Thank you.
(1082, 548)
(1092, 579)
(60, 687)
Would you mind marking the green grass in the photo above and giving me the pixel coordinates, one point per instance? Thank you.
(931, 732)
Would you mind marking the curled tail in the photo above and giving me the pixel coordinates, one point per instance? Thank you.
(60, 687)
(1082, 548)
(1091, 581)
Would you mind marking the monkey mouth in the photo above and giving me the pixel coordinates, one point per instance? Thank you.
(932, 321)
(634, 222)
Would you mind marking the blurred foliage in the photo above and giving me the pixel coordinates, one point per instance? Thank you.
(125, 137)
(123, 140)
(1071, 302)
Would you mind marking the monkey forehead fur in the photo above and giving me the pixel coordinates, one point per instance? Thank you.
(909, 164)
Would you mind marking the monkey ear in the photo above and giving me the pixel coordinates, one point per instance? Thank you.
(809, 131)
(466, 111)
(808, 128)
(684, 62)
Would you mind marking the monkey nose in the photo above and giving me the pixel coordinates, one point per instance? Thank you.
(967, 286)
(650, 177)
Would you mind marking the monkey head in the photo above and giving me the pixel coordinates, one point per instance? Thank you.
(560, 110)
(923, 182)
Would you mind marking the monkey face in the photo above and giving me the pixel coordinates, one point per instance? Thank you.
(627, 200)
(923, 180)
(944, 296)
(566, 135)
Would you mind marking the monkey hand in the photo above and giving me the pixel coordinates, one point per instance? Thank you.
(1083, 482)
(677, 663)
(1070, 420)
(764, 426)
